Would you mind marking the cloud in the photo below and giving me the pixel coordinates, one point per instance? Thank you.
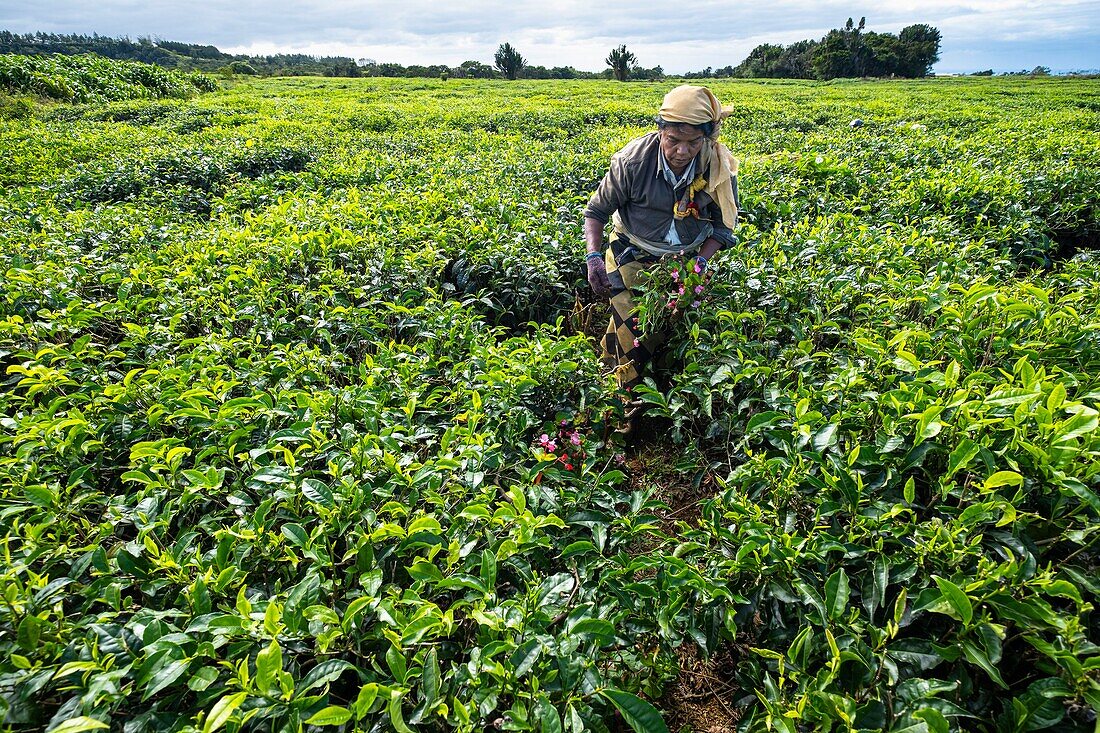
(680, 37)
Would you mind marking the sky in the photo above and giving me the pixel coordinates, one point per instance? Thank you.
(1003, 35)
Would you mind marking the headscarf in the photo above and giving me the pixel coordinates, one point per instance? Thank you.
(695, 105)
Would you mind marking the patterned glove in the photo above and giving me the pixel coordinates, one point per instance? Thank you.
(597, 277)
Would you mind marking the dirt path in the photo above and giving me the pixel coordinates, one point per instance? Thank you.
(701, 698)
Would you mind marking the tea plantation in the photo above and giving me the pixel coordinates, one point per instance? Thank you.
(300, 431)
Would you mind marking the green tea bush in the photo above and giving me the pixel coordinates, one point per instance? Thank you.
(187, 180)
(91, 78)
(322, 456)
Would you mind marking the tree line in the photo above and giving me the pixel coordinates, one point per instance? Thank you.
(846, 52)
(850, 51)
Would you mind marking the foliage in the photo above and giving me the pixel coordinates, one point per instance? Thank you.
(847, 52)
(95, 79)
(509, 61)
(670, 296)
(272, 459)
(621, 62)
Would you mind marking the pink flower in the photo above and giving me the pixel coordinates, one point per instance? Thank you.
(575, 438)
(675, 274)
(637, 343)
(698, 289)
(681, 290)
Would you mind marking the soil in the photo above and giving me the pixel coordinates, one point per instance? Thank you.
(702, 697)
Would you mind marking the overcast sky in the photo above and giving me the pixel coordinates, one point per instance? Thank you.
(1005, 35)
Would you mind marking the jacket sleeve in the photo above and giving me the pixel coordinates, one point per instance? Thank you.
(610, 195)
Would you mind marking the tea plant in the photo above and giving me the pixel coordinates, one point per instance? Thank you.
(91, 78)
(294, 436)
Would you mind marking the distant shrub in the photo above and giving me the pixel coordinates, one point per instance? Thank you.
(187, 179)
(15, 108)
(90, 78)
(241, 67)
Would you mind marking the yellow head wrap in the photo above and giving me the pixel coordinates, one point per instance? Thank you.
(696, 105)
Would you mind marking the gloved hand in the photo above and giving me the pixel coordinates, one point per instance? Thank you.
(597, 277)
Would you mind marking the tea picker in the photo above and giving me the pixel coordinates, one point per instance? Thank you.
(668, 195)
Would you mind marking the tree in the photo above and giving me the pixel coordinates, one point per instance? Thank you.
(761, 62)
(621, 62)
(833, 57)
(475, 70)
(919, 49)
(508, 60)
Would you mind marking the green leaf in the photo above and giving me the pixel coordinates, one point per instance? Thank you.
(899, 606)
(332, 715)
(431, 678)
(397, 718)
(269, 662)
(928, 426)
(318, 492)
(874, 591)
(922, 689)
(28, 633)
(603, 631)
(639, 714)
(1081, 491)
(202, 679)
(933, 719)
(1004, 478)
(966, 451)
(837, 594)
(1076, 426)
(488, 568)
(976, 655)
(956, 598)
(395, 660)
(322, 674)
(525, 656)
(295, 534)
(221, 712)
(165, 676)
(76, 725)
(762, 420)
(368, 693)
(1010, 396)
(549, 720)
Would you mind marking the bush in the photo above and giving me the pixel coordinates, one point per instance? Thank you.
(90, 78)
(16, 107)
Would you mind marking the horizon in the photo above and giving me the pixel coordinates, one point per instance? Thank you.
(1006, 37)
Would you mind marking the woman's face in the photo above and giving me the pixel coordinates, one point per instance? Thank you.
(680, 144)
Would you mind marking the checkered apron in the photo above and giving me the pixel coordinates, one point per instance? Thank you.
(624, 350)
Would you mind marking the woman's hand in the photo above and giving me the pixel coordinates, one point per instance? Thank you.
(597, 277)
